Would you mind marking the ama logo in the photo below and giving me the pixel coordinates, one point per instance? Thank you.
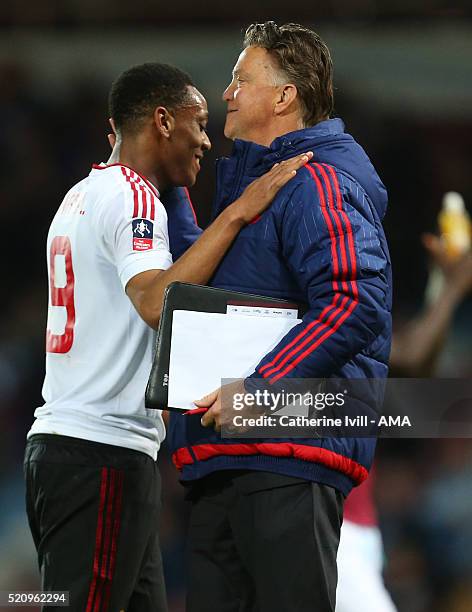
(142, 234)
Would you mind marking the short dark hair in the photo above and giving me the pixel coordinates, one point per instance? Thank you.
(138, 91)
(304, 59)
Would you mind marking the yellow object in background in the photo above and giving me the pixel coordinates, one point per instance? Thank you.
(454, 225)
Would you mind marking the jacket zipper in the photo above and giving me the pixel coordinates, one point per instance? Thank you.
(240, 167)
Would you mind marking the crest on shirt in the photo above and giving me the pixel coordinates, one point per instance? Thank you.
(143, 231)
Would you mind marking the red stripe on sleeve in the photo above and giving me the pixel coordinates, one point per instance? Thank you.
(329, 224)
(319, 329)
(153, 207)
(318, 325)
(144, 199)
(132, 184)
(136, 200)
(318, 320)
(337, 220)
(302, 333)
(324, 337)
(350, 237)
(334, 255)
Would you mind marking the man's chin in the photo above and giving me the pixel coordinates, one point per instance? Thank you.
(229, 132)
(191, 181)
(187, 180)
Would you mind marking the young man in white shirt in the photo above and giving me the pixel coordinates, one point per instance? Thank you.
(93, 488)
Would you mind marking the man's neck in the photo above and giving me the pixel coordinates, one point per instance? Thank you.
(267, 136)
(136, 155)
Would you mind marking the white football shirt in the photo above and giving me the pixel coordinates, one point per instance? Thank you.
(109, 227)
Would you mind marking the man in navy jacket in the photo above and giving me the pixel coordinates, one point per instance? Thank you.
(266, 513)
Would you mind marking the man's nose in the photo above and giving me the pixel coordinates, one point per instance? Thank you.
(206, 145)
(228, 93)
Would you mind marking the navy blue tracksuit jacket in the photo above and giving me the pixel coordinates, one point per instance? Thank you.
(321, 242)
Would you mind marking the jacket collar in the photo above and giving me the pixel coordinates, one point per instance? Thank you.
(286, 146)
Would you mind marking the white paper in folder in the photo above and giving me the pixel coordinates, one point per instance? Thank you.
(208, 346)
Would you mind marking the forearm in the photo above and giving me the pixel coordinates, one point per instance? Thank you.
(416, 348)
(199, 263)
(196, 265)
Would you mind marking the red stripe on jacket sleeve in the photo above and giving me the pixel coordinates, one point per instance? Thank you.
(301, 334)
(272, 370)
(334, 255)
(317, 331)
(314, 346)
(337, 220)
(350, 237)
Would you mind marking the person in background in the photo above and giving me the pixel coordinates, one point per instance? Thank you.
(416, 348)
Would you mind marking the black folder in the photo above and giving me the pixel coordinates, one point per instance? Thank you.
(199, 298)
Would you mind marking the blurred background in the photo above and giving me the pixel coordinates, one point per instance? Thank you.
(404, 89)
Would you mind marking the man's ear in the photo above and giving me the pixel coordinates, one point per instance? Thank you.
(287, 96)
(164, 121)
(112, 136)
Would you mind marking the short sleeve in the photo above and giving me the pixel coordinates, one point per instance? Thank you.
(133, 227)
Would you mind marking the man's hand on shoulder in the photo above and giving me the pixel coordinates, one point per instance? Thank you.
(259, 194)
